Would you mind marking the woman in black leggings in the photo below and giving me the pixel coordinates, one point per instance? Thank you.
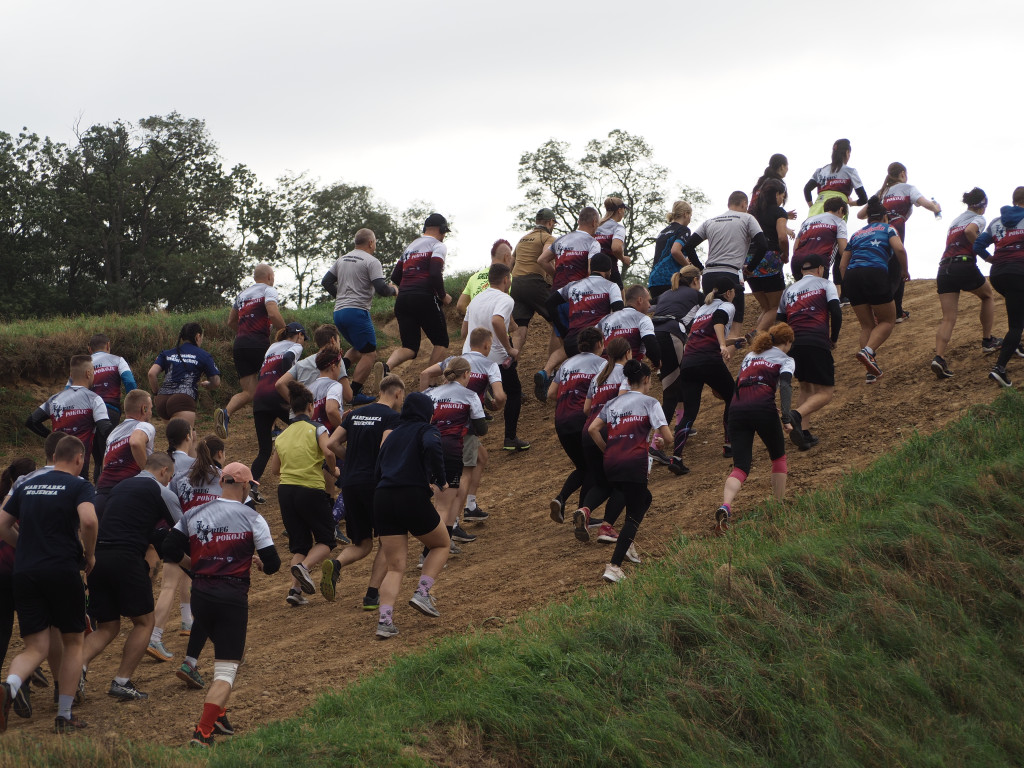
(1007, 277)
(704, 359)
(766, 370)
(672, 316)
(268, 405)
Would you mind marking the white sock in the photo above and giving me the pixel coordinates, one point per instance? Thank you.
(192, 662)
(186, 613)
(870, 351)
(157, 636)
(471, 501)
(120, 680)
(15, 683)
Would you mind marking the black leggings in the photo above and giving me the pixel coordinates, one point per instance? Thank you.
(1011, 288)
(691, 384)
(514, 392)
(598, 489)
(671, 353)
(897, 283)
(637, 500)
(264, 422)
(6, 614)
(572, 444)
(742, 429)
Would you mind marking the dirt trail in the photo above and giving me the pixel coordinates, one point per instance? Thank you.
(522, 560)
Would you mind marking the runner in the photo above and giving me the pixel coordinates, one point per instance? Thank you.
(76, 410)
(566, 260)
(811, 308)
(589, 301)
(326, 390)
(183, 367)
(267, 405)
(611, 236)
(629, 419)
(736, 245)
(306, 508)
(492, 309)
(766, 280)
(674, 313)
(703, 362)
(362, 431)
(128, 446)
(352, 281)
(419, 273)
(305, 371)
(633, 324)
(1006, 232)
(253, 317)
(958, 271)
(119, 584)
(220, 539)
(501, 253)
(411, 466)
(865, 270)
(569, 390)
(835, 180)
(531, 284)
(110, 374)
(899, 199)
(51, 523)
(824, 235)
(668, 249)
(767, 369)
(17, 469)
(778, 167)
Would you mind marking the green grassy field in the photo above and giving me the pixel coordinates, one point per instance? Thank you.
(875, 623)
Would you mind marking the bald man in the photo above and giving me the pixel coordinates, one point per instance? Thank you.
(253, 316)
(353, 280)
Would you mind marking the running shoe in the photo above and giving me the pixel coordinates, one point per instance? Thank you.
(581, 523)
(340, 537)
(659, 456)
(68, 725)
(1020, 349)
(6, 701)
(372, 603)
(461, 536)
(613, 573)
(22, 702)
(557, 511)
(844, 302)
(198, 740)
(302, 576)
(362, 399)
(424, 603)
(256, 496)
(157, 650)
(870, 378)
(38, 678)
(796, 435)
(453, 549)
(676, 467)
(1000, 377)
(475, 515)
(384, 631)
(904, 315)
(126, 692)
(329, 573)
(190, 676)
(991, 344)
(868, 361)
(810, 439)
(726, 450)
(186, 629)
(516, 444)
(541, 382)
(632, 555)
(940, 369)
(296, 598)
(220, 423)
(222, 727)
(722, 516)
(607, 535)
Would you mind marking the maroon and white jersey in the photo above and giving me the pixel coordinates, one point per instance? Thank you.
(107, 379)
(844, 181)
(957, 244)
(412, 272)
(572, 257)
(702, 344)
(454, 406)
(759, 381)
(119, 461)
(590, 300)
(631, 324)
(75, 411)
(324, 389)
(898, 201)
(819, 236)
(193, 495)
(223, 536)
(805, 305)
(599, 394)
(482, 372)
(253, 320)
(610, 230)
(280, 357)
(630, 418)
(574, 377)
(1009, 241)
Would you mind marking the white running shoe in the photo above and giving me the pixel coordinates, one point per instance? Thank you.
(613, 573)
(632, 555)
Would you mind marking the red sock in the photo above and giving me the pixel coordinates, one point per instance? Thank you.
(210, 714)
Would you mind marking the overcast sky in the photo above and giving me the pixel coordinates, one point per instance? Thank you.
(437, 101)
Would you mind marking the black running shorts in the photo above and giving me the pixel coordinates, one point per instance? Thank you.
(225, 622)
(404, 510)
(308, 516)
(248, 360)
(769, 284)
(530, 294)
(49, 598)
(814, 365)
(453, 470)
(417, 312)
(119, 585)
(867, 285)
(959, 276)
(358, 512)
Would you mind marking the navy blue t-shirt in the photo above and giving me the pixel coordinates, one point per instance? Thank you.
(46, 508)
(365, 427)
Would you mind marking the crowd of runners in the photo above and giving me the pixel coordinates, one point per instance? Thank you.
(367, 456)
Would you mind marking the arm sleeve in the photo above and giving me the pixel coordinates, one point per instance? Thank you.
(382, 288)
(720, 317)
(330, 282)
(758, 246)
(437, 276)
(690, 250)
(835, 313)
(128, 381)
(35, 422)
(616, 306)
(809, 187)
(786, 395)
(271, 560)
(862, 196)
(478, 427)
(981, 244)
(174, 546)
(433, 455)
(102, 431)
(653, 349)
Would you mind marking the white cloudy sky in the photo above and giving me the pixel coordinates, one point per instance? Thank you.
(436, 101)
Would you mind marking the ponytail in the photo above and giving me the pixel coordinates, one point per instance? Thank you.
(776, 336)
(839, 150)
(892, 176)
(189, 332)
(299, 397)
(616, 350)
(688, 273)
(178, 431)
(721, 287)
(204, 467)
(18, 468)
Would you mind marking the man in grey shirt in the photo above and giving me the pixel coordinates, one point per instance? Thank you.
(731, 237)
(352, 281)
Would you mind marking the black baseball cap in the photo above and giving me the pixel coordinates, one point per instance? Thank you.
(292, 328)
(436, 220)
(812, 262)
